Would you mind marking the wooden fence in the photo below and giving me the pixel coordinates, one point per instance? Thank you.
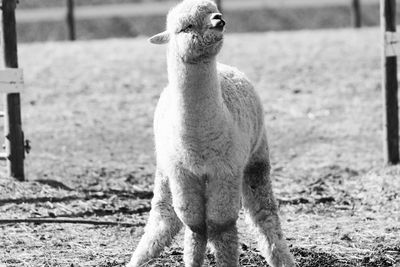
(356, 13)
(16, 146)
(390, 51)
(71, 20)
(11, 85)
(355, 7)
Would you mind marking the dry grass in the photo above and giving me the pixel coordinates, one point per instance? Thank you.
(88, 112)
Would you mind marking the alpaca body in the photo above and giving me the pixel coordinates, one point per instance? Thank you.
(211, 150)
(208, 127)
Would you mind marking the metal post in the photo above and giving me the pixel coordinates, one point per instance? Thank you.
(13, 126)
(389, 87)
(356, 13)
(71, 20)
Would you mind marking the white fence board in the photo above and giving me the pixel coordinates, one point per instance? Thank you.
(11, 81)
(392, 44)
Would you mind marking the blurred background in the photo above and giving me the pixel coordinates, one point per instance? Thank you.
(45, 20)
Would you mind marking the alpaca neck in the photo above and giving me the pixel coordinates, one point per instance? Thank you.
(196, 88)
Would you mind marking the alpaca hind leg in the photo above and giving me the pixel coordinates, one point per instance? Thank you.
(162, 225)
(223, 205)
(261, 209)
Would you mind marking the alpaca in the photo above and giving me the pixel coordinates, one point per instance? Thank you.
(211, 150)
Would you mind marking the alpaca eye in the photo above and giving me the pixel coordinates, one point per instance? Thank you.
(187, 28)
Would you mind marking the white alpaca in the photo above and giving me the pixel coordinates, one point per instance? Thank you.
(211, 149)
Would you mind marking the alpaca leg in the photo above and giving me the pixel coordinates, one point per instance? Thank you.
(224, 239)
(162, 225)
(222, 212)
(195, 248)
(189, 204)
(261, 209)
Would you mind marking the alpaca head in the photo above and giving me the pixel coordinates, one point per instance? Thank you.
(194, 31)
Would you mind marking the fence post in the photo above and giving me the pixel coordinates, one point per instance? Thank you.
(219, 4)
(71, 20)
(14, 136)
(389, 86)
(356, 13)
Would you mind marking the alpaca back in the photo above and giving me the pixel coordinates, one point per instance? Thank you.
(243, 103)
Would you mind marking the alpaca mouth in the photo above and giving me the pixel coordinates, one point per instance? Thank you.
(219, 28)
(217, 23)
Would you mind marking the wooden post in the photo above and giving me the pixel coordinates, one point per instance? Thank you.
(356, 13)
(389, 86)
(219, 4)
(71, 20)
(13, 126)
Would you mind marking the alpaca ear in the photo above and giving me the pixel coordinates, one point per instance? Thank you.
(161, 38)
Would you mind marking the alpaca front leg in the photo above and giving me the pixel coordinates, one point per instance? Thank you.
(223, 205)
(162, 225)
(261, 209)
(189, 204)
(223, 238)
(195, 248)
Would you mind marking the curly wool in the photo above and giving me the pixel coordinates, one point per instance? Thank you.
(211, 149)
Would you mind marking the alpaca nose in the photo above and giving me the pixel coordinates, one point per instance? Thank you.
(217, 21)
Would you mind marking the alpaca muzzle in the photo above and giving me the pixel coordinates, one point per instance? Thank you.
(217, 22)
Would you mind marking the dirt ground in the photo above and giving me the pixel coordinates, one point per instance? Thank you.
(88, 109)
